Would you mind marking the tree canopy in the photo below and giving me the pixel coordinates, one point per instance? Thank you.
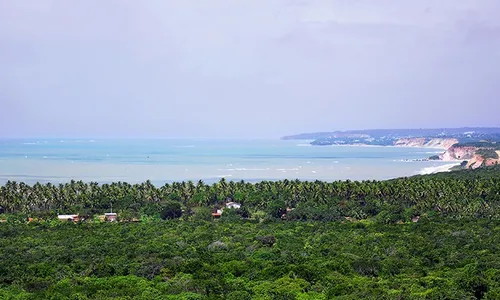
(422, 237)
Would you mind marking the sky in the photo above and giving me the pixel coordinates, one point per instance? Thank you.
(245, 68)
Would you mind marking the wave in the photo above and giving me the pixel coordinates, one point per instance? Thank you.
(428, 152)
(244, 169)
(405, 160)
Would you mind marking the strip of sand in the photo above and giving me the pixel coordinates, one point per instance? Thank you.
(438, 169)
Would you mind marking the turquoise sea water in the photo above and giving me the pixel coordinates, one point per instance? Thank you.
(167, 160)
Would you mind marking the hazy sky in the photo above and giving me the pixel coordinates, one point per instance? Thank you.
(250, 68)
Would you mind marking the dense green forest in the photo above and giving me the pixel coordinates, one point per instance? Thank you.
(422, 237)
(234, 259)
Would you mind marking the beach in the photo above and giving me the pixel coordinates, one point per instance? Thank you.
(437, 169)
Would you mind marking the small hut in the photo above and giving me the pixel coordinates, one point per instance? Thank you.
(110, 217)
(217, 213)
(71, 218)
(233, 205)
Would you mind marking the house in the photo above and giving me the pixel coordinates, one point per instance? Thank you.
(415, 219)
(110, 217)
(288, 210)
(72, 218)
(217, 213)
(233, 205)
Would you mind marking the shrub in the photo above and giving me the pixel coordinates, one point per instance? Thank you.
(171, 210)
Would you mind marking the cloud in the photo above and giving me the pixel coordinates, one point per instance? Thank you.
(251, 67)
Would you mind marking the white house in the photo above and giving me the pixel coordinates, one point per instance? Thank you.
(233, 205)
(74, 218)
(110, 217)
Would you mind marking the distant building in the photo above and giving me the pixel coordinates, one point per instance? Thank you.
(72, 218)
(288, 210)
(110, 217)
(217, 213)
(233, 205)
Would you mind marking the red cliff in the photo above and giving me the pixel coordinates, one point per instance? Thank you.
(459, 153)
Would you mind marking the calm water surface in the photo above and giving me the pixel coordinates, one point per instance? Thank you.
(167, 160)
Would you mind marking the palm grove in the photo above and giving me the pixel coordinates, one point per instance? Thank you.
(466, 193)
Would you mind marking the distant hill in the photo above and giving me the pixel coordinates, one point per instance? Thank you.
(400, 133)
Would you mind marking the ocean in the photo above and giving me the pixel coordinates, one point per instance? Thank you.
(169, 160)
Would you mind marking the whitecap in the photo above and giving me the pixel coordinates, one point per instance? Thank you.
(427, 152)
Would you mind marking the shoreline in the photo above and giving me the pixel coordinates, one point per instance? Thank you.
(438, 169)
